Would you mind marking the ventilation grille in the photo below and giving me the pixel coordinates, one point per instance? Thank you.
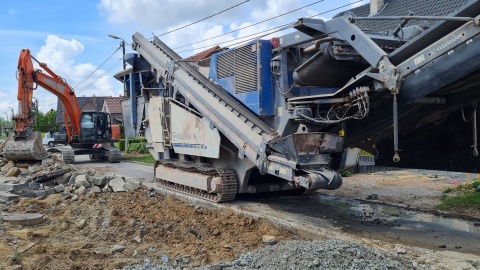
(240, 63)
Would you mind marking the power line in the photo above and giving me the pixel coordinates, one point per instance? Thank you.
(181, 27)
(101, 76)
(233, 31)
(97, 68)
(283, 27)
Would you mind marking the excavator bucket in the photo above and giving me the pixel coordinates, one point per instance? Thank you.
(24, 148)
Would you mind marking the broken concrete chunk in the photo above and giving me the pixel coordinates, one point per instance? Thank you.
(82, 180)
(99, 180)
(137, 239)
(117, 184)
(81, 223)
(81, 190)
(132, 185)
(68, 189)
(34, 185)
(63, 179)
(96, 189)
(71, 181)
(7, 196)
(59, 188)
(14, 171)
(7, 167)
(34, 169)
(106, 189)
(117, 249)
(24, 219)
(48, 162)
(268, 239)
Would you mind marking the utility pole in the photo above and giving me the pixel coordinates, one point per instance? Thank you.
(6, 120)
(36, 113)
(122, 44)
(12, 117)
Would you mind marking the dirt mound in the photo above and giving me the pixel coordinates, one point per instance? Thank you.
(111, 230)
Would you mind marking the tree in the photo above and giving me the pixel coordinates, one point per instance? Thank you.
(47, 121)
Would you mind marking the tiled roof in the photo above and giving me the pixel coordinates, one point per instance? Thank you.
(401, 8)
(204, 55)
(82, 101)
(114, 105)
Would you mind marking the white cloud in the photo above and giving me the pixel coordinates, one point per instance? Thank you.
(59, 55)
(159, 17)
(274, 8)
(356, 3)
(158, 14)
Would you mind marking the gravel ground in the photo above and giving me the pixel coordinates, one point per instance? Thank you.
(329, 254)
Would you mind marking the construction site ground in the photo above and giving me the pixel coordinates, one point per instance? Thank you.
(151, 225)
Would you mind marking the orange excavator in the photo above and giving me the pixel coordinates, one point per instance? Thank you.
(88, 132)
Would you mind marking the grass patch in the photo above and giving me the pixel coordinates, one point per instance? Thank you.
(448, 190)
(464, 199)
(142, 158)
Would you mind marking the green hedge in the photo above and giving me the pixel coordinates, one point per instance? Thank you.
(121, 144)
(137, 147)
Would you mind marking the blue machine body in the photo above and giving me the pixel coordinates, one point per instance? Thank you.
(245, 73)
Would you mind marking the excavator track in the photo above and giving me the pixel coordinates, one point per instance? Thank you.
(113, 154)
(228, 178)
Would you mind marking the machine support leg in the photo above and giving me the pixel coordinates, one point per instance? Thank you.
(396, 157)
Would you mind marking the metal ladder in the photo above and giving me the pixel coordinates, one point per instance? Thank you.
(166, 123)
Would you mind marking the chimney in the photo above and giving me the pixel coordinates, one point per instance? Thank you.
(94, 99)
(376, 6)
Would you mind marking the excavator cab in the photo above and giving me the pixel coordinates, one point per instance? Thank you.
(96, 126)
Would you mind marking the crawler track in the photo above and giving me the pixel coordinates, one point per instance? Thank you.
(229, 181)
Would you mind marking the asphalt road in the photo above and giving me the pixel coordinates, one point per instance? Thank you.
(127, 169)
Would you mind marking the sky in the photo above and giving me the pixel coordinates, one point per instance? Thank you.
(71, 37)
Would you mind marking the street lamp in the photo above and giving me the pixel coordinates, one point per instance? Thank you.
(122, 44)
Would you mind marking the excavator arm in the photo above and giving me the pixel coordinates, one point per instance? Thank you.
(28, 81)
(25, 143)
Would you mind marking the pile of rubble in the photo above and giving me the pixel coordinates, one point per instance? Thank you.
(52, 175)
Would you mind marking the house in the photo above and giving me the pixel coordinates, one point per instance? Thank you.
(202, 59)
(113, 106)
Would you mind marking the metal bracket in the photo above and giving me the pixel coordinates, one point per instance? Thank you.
(170, 67)
(241, 154)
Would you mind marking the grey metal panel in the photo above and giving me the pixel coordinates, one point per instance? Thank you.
(127, 119)
(140, 110)
(401, 8)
